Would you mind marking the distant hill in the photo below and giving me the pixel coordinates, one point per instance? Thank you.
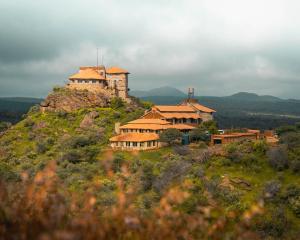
(12, 108)
(162, 91)
(245, 96)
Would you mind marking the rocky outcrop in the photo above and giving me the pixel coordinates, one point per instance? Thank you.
(68, 100)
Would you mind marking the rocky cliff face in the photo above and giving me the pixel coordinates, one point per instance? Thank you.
(63, 99)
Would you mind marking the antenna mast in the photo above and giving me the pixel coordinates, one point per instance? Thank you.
(97, 57)
(191, 93)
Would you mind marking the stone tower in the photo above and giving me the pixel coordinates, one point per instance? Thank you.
(118, 80)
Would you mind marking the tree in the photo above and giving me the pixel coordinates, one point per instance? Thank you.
(210, 126)
(170, 135)
(198, 134)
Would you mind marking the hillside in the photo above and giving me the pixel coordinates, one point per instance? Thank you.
(59, 161)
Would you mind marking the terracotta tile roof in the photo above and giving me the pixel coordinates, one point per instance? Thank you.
(144, 126)
(203, 108)
(166, 108)
(116, 70)
(135, 137)
(181, 126)
(149, 121)
(88, 73)
(153, 114)
(233, 135)
(181, 115)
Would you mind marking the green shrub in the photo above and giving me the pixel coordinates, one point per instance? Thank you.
(116, 103)
(117, 163)
(170, 135)
(41, 147)
(274, 224)
(72, 156)
(28, 123)
(260, 147)
(198, 134)
(278, 158)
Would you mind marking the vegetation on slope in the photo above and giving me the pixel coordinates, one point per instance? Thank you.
(59, 176)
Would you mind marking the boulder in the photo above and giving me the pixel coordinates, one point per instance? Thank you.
(69, 100)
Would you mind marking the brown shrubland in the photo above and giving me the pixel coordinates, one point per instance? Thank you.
(42, 208)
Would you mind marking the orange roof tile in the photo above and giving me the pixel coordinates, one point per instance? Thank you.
(181, 126)
(203, 108)
(181, 115)
(153, 114)
(144, 126)
(135, 137)
(168, 108)
(88, 73)
(233, 135)
(116, 70)
(149, 121)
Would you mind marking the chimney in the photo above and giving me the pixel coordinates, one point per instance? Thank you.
(117, 127)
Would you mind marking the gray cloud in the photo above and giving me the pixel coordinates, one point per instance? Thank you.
(219, 47)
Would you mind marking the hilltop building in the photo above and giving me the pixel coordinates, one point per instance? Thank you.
(143, 133)
(188, 112)
(112, 82)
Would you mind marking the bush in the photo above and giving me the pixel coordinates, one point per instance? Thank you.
(116, 103)
(28, 123)
(273, 225)
(181, 150)
(117, 162)
(260, 147)
(81, 141)
(147, 176)
(292, 196)
(198, 134)
(170, 135)
(41, 147)
(286, 129)
(291, 139)
(71, 156)
(272, 188)
(210, 126)
(278, 158)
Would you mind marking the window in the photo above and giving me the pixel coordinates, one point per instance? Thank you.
(86, 81)
(135, 144)
(94, 81)
(148, 144)
(79, 81)
(127, 144)
(142, 144)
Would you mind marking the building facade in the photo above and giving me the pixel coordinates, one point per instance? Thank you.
(112, 82)
(235, 137)
(188, 112)
(143, 134)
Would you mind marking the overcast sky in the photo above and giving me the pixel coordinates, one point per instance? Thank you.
(220, 47)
